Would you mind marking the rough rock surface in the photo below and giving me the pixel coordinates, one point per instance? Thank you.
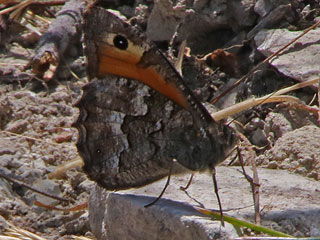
(270, 41)
(166, 220)
(298, 151)
(285, 198)
(200, 18)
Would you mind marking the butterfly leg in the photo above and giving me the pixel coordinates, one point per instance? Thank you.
(255, 185)
(165, 186)
(216, 190)
(188, 184)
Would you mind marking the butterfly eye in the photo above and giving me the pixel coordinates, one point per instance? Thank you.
(120, 42)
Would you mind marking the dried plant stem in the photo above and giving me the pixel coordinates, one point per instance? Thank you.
(273, 97)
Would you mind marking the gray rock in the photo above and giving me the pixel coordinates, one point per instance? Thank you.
(276, 125)
(29, 174)
(3, 225)
(6, 189)
(80, 224)
(5, 111)
(242, 13)
(259, 138)
(7, 147)
(279, 15)
(263, 7)
(164, 19)
(18, 126)
(198, 17)
(297, 151)
(298, 54)
(47, 186)
(5, 160)
(86, 185)
(254, 132)
(123, 216)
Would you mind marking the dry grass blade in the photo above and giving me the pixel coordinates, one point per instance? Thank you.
(273, 97)
(18, 233)
(17, 6)
(80, 238)
(32, 15)
(20, 5)
(17, 13)
(178, 63)
(26, 18)
(9, 238)
(224, 113)
(60, 172)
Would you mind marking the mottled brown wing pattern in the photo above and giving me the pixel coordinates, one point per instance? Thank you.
(129, 133)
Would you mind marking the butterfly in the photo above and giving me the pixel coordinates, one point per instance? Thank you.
(137, 115)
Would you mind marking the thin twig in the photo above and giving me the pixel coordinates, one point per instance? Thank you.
(36, 139)
(22, 184)
(79, 207)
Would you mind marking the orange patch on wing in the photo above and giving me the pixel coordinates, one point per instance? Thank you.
(111, 62)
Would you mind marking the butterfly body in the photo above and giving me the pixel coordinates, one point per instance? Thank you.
(130, 130)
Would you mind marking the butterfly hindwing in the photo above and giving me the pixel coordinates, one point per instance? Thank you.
(131, 130)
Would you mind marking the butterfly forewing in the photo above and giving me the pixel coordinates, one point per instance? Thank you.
(131, 130)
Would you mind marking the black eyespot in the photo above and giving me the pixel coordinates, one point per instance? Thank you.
(120, 42)
(98, 151)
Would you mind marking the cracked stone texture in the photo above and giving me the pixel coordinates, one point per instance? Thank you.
(285, 198)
